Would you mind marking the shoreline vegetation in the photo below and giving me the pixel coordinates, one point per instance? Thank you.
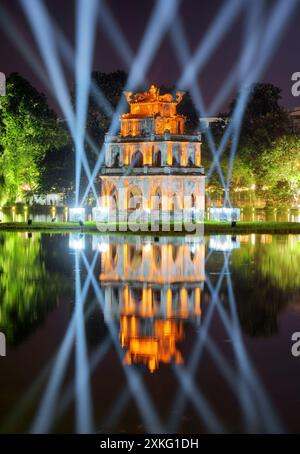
(210, 228)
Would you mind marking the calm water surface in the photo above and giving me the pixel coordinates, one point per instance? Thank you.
(130, 334)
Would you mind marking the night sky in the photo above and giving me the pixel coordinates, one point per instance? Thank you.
(132, 17)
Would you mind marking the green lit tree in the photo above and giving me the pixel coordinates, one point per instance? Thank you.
(279, 171)
(28, 289)
(264, 119)
(28, 129)
(265, 277)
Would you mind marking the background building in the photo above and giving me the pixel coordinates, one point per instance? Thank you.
(295, 119)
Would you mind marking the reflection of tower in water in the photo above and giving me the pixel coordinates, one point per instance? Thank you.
(152, 288)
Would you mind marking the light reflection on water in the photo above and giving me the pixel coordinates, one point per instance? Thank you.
(149, 333)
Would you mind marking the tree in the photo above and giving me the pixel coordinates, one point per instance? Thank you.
(98, 121)
(28, 289)
(264, 118)
(264, 123)
(279, 171)
(186, 107)
(28, 129)
(57, 171)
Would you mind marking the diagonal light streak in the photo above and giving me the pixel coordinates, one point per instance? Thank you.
(18, 39)
(112, 29)
(246, 369)
(220, 25)
(46, 412)
(281, 13)
(244, 384)
(197, 351)
(135, 383)
(95, 359)
(179, 42)
(69, 56)
(198, 400)
(43, 32)
(86, 12)
(83, 401)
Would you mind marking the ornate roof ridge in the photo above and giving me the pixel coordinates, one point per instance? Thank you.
(153, 95)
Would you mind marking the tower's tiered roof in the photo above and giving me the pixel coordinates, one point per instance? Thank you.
(152, 112)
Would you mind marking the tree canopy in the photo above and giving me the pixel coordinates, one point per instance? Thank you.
(28, 129)
(267, 157)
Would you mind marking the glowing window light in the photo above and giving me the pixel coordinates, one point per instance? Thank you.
(76, 214)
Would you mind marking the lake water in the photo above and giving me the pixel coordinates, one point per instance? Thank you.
(112, 334)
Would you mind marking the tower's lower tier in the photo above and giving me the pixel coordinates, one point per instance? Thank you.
(170, 196)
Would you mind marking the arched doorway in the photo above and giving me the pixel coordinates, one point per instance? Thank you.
(157, 159)
(157, 199)
(113, 198)
(193, 200)
(134, 198)
(137, 159)
(175, 160)
(191, 162)
(116, 161)
(174, 202)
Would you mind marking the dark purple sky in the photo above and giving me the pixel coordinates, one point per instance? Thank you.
(132, 17)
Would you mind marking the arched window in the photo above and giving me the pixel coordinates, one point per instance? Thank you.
(135, 256)
(136, 294)
(175, 160)
(191, 162)
(156, 296)
(157, 159)
(193, 201)
(175, 250)
(157, 256)
(116, 161)
(113, 198)
(113, 255)
(157, 199)
(134, 198)
(175, 202)
(137, 159)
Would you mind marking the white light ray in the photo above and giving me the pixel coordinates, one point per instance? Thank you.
(86, 13)
(46, 412)
(136, 386)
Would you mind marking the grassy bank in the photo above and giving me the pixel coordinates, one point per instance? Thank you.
(209, 228)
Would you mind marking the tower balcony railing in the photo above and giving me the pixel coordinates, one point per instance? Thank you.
(147, 170)
(154, 138)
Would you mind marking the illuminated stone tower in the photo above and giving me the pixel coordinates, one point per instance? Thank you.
(152, 164)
